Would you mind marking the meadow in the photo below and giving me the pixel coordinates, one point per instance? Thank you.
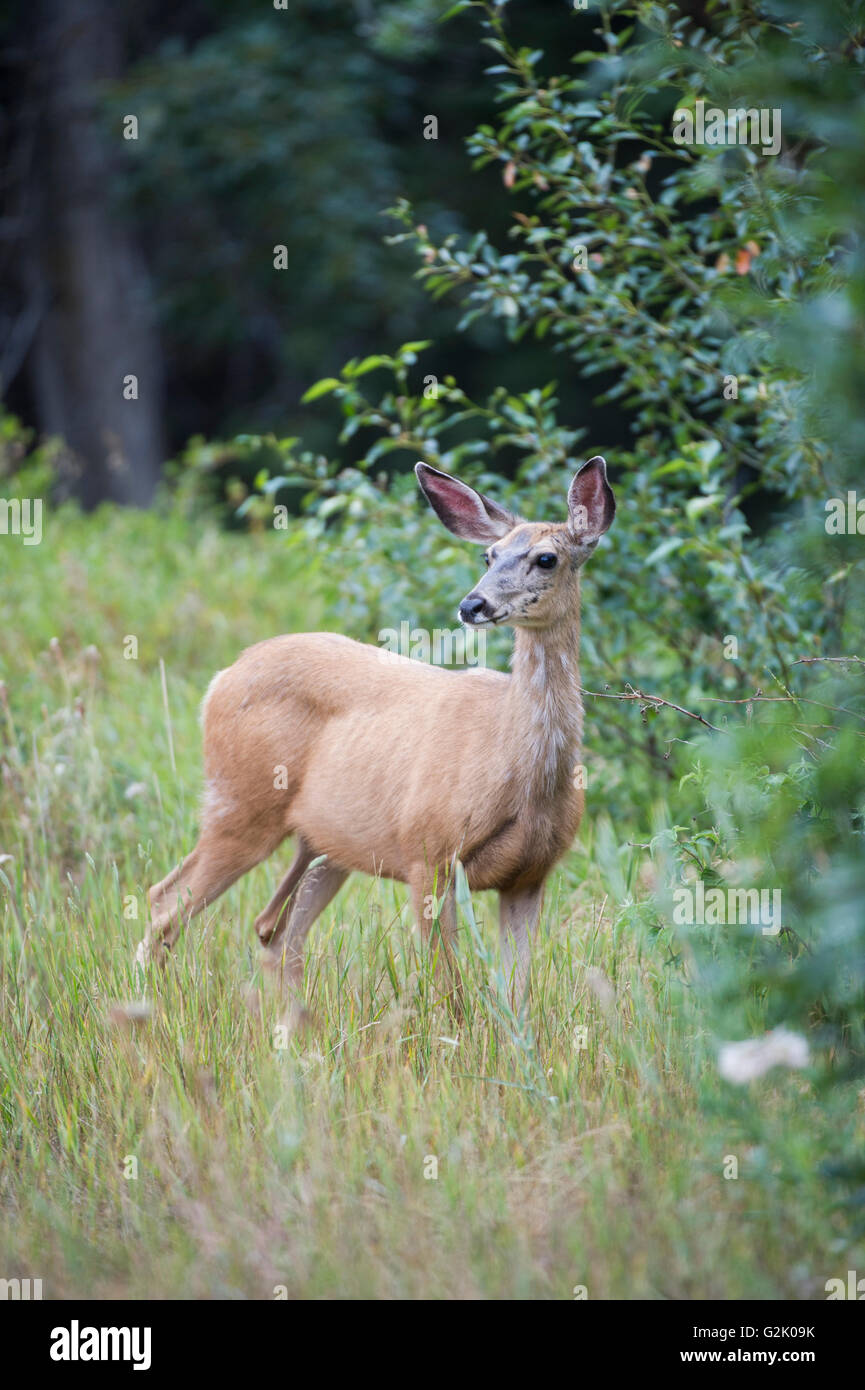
(392, 1151)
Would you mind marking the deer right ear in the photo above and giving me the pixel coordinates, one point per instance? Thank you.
(591, 504)
(468, 514)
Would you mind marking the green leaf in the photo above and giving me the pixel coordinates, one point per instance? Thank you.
(663, 550)
(321, 388)
(415, 347)
(370, 364)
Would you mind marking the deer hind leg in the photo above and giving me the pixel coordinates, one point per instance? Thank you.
(283, 953)
(218, 860)
(271, 923)
(160, 889)
(519, 911)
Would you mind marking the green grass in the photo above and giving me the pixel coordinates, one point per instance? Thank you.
(306, 1167)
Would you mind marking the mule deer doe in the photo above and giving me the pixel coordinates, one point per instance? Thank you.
(397, 768)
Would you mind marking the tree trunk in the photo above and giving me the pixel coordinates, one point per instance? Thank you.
(96, 328)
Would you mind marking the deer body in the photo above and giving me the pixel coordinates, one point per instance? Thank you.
(391, 767)
(470, 763)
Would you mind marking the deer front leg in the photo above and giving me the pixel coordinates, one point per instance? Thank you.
(434, 903)
(519, 911)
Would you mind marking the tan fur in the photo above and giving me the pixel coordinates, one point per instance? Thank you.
(395, 768)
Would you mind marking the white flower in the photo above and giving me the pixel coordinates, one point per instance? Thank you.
(741, 1062)
(602, 989)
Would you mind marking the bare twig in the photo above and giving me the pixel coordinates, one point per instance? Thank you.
(809, 660)
(760, 698)
(634, 694)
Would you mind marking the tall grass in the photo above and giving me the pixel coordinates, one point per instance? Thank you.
(392, 1151)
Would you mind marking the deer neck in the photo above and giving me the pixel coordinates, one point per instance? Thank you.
(544, 719)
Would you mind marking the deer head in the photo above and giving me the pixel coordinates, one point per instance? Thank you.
(533, 567)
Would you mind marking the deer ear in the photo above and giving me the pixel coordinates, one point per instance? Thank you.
(468, 514)
(591, 504)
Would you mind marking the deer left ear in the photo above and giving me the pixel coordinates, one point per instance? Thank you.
(591, 504)
(468, 514)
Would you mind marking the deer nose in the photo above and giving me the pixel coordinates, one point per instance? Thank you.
(472, 607)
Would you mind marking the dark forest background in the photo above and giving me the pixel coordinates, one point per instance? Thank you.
(257, 127)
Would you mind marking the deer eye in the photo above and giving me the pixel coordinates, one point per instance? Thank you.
(547, 561)
(486, 560)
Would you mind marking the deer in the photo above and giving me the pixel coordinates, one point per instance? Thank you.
(380, 764)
